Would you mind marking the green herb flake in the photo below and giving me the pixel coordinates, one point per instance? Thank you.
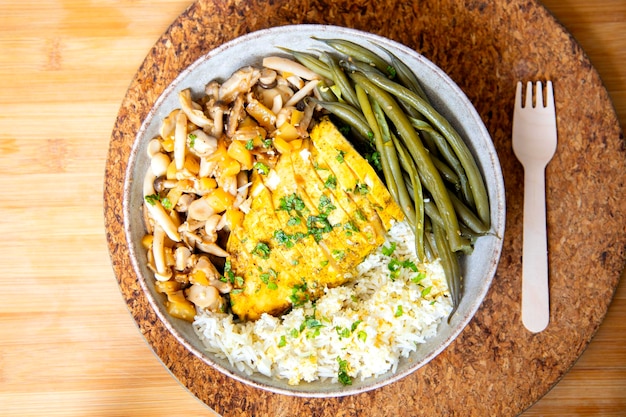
(292, 202)
(294, 221)
(350, 227)
(331, 182)
(426, 291)
(151, 199)
(417, 278)
(262, 250)
(362, 335)
(343, 332)
(342, 375)
(361, 188)
(167, 203)
(338, 254)
(374, 160)
(192, 139)
(389, 250)
(250, 144)
(399, 311)
(282, 342)
(261, 168)
(340, 156)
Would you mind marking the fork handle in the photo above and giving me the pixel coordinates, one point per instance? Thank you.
(535, 292)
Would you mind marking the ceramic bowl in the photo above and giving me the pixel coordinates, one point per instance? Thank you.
(479, 267)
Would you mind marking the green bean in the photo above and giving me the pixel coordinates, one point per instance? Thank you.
(430, 253)
(446, 151)
(446, 172)
(418, 196)
(432, 178)
(378, 140)
(351, 116)
(474, 176)
(341, 81)
(450, 264)
(360, 53)
(391, 155)
(325, 92)
(405, 75)
(311, 62)
(467, 216)
(354, 65)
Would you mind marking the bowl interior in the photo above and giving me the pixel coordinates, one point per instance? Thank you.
(479, 268)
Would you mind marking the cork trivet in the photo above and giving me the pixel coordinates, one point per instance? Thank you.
(495, 367)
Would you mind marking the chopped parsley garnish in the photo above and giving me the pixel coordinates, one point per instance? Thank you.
(250, 144)
(342, 375)
(350, 227)
(151, 199)
(299, 294)
(267, 143)
(399, 311)
(331, 182)
(262, 250)
(361, 188)
(292, 202)
(362, 335)
(325, 206)
(261, 168)
(268, 278)
(317, 226)
(426, 291)
(417, 278)
(338, 254)
(283, 341)
(294, 221)
(343, 332)
(340, 156)
(389, 250)
(374, 160)
(165, 202)
(192, 139)
(286, 239)
(391, 71)
(359, 215)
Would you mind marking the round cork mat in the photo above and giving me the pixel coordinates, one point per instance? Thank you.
(495, 367)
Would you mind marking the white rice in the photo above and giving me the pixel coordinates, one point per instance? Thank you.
(383, 332)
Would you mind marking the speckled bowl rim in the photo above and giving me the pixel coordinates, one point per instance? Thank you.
(480, 143)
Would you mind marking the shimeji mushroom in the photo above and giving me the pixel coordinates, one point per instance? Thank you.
(239, 83)
(163, 271)
(193, 111)
(156, 210)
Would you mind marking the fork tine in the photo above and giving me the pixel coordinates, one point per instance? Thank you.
(549, 95)
(539, 95)
(518, 95)
(529, 95)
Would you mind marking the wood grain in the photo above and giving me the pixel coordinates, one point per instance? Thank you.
(67, 343)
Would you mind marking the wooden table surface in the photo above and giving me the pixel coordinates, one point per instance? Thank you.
(68, 345)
